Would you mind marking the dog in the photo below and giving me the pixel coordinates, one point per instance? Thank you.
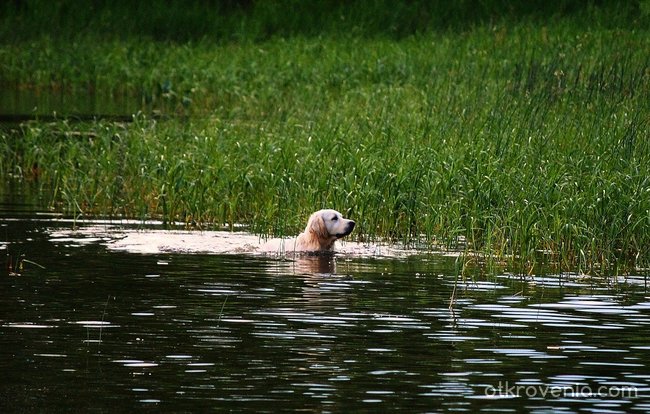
(324, 227)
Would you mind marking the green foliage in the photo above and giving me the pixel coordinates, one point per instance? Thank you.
(260, 20)
(527, 142)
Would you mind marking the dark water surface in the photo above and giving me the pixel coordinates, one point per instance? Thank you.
(19, 104)
(99, 330)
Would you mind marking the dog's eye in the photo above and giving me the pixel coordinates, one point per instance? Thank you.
(335, 218)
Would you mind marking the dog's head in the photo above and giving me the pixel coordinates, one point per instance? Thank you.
(328, 226)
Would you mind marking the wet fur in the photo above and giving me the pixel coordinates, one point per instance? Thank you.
(319, 235)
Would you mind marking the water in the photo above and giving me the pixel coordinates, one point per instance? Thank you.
(104, 329)
(18, 104)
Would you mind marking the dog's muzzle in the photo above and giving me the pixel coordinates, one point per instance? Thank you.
(348, 229)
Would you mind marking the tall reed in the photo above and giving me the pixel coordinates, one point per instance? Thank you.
(522, 141)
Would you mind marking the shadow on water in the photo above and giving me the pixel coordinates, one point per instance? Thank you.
(101, 329)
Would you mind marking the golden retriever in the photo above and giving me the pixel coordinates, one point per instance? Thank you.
(323, 229)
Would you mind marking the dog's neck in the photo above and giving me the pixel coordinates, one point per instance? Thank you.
(314, 243)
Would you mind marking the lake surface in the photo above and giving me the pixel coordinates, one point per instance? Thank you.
(90, 328)
(18, 104)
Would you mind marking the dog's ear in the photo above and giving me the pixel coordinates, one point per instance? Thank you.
(317, 226)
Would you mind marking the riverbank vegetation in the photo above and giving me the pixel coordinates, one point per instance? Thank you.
(521, 134)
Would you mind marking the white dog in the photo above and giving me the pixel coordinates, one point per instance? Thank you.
(323, 229)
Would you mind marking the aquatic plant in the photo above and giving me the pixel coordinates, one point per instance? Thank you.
(251, 20)
(526, 142)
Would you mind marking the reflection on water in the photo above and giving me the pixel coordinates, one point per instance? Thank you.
(125, 236)
(111, 330)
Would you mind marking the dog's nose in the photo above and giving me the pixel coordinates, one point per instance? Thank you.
(351, 224)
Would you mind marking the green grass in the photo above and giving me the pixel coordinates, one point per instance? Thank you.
(526, 141)
(261, 20)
